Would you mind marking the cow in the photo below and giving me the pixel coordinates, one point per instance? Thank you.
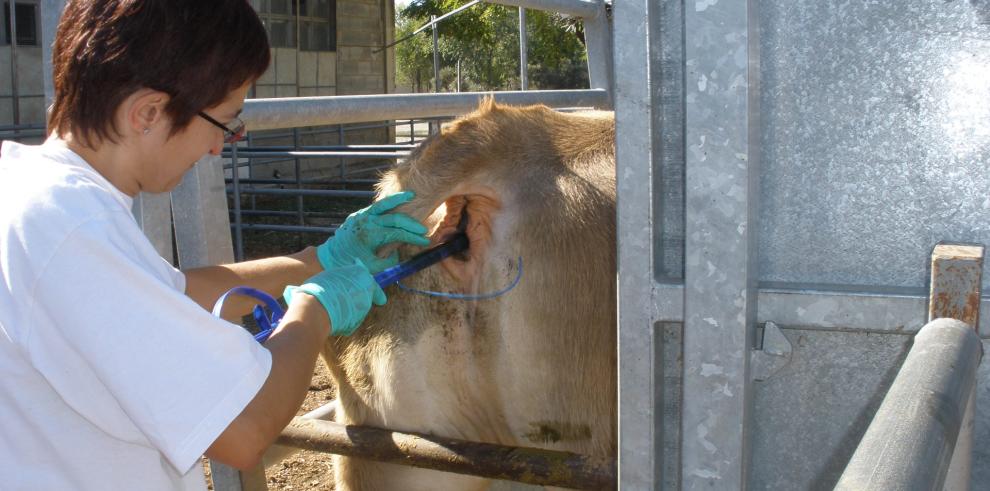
(533, 189)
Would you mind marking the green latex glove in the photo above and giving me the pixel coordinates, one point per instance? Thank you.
(346, 293)
(366, 230)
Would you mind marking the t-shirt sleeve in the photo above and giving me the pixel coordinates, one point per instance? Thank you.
(120, 342)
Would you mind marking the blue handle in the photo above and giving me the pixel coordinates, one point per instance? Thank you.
(267, 323)
(423, 260)
(419, 262)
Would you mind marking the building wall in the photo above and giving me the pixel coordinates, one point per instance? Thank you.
(30, 86)
(362, 26)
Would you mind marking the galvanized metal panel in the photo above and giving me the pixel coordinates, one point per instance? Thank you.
(640, 412)
(810, 415)
(719, 282)
(875, 136)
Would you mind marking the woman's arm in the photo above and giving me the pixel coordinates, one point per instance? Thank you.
(271, 275)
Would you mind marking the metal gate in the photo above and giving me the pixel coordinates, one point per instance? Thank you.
(785, 168)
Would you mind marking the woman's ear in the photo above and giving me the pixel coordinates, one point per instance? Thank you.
(145, 111)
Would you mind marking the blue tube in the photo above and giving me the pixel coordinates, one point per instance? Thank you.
(423, 260)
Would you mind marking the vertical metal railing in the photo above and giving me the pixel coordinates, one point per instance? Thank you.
(14, 92)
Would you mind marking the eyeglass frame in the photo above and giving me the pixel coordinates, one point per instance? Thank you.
(229, 135)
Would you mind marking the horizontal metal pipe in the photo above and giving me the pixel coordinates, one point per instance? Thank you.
(268, 114)
(331, 153)
(331, 193)
(321, 148)
(293, 182)
(577, 8)
(286, 228)
(909, 443)
(277, 453)
(528, 465)
(284, 213)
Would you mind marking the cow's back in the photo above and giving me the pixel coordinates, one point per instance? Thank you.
(533, 367)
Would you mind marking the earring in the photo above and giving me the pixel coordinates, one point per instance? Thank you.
(147, 130)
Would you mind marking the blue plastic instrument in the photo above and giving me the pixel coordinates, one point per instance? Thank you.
(268, 321)
(459, 243)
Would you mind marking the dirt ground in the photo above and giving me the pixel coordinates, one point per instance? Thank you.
(304, 470)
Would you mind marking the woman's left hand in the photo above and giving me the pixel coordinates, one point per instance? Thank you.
(366, 230)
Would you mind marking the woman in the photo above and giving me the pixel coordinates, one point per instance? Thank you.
(113, 375)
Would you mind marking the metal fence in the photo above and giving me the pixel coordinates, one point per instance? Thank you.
(783, 168)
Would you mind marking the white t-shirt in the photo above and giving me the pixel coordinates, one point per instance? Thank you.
(110, 377)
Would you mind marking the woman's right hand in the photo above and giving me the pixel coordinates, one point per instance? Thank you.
(346, 293)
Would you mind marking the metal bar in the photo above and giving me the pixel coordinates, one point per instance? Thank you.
(721, 188)
(288, 228)
(523, 51)
(153, 213)
(341, 165)
(598, 36)
(910, 442)
(957, 272)
(267, 114)
(236, 190)
(51, 11)
(305, 181)
(956, 284)
(528, 465)
(14, 92)
(226, 478)
(320, 148)
(436, 54)
(199, 211)
(277, 453)
(284, 213)
(334, 193)
(640, 364)
(298, 169)
(431, 24)
(575, 8)
(309, 154)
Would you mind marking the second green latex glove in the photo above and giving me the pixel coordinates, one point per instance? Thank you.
(346, 293)
(368, 229)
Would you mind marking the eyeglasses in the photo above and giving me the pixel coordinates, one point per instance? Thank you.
(229, 135)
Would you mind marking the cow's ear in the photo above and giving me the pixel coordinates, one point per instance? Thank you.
(473, 214)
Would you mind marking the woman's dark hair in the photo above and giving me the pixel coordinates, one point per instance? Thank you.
(196, 51)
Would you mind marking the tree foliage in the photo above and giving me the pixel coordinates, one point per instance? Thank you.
(485, 38)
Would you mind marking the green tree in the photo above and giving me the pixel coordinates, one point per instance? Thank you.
(485, 39)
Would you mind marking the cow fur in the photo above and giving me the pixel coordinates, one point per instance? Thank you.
(535, 367)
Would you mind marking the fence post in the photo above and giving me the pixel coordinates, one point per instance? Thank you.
(956, 284)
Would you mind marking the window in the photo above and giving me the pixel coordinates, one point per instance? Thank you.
(316, 21)
(26, 18)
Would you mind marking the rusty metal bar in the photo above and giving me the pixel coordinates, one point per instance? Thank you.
(528, 465)
(957, 270)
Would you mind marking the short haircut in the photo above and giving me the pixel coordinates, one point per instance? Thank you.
(196, 51)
